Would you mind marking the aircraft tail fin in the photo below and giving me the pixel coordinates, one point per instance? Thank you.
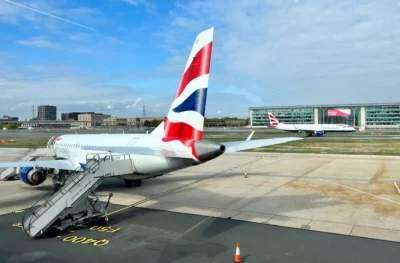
(185, 119)
(272, 120)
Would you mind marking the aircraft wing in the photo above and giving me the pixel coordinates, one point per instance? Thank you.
(250, 144)
(58, 164)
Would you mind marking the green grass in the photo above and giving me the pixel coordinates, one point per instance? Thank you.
(330, 146)
(337, 146)
(24, 143)
(307, 145)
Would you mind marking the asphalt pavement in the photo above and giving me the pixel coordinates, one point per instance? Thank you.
(147, 235)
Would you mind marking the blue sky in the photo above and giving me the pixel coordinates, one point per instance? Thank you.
(111, 56)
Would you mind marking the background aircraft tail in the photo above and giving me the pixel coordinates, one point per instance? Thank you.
(185, 119)
(272, 120)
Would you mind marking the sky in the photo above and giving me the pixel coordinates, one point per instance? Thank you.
(114, 56)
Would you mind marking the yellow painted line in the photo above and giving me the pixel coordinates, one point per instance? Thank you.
(130, 206)
(154, 197)
(395, 184)
(377, 196)
(196, 225)
(157, 196)
(19, 211)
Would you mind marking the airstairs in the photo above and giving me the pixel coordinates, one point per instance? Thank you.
(55, 213)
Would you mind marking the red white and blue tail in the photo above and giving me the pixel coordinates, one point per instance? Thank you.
(272, 120)
(185, 119)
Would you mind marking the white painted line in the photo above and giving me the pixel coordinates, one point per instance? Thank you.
(377, 196)
(398, 190)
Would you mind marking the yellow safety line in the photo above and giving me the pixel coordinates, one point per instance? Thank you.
(196, 225)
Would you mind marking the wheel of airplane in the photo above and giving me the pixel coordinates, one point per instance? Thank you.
(128, 183)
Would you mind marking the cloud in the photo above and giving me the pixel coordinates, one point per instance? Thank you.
(133, 105)
(39, 42)
(219, 112)
(150, 7)
(74, 89)
(79, 37)
(296, 52)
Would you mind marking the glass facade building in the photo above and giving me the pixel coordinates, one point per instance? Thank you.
(356, 115)
(297, 115)
(383, 114)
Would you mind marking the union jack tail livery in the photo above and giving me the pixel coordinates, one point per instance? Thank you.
(185, 119)
(272, 120)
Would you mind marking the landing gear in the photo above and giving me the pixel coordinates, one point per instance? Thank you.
(59, 179)
(130, 183)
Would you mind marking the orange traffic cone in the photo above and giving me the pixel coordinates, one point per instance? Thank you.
(245, 174)
(237, 258)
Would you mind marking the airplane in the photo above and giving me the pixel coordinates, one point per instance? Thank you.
(175, 144)
(310, 129)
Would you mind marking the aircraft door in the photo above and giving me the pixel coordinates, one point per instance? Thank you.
(133, 141)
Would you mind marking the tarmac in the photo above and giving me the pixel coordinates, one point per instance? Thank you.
(147, 235)
(291, 208)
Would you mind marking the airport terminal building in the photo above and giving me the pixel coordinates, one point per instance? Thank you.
(373, 115)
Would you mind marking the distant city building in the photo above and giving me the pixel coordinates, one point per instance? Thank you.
(92, 119)
(115, 121)
(133, 122)
(72, 116)
(47, 112)
(370, 115)
(8, 118)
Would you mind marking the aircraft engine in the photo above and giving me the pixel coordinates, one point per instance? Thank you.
(32, 176)
(319, 133)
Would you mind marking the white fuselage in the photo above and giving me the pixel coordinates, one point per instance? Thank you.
(315, 127)
(70, 147)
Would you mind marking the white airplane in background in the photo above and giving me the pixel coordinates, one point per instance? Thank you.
(310, 129)
(175, 144)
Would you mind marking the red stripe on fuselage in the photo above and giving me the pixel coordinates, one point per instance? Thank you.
(200, 66)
